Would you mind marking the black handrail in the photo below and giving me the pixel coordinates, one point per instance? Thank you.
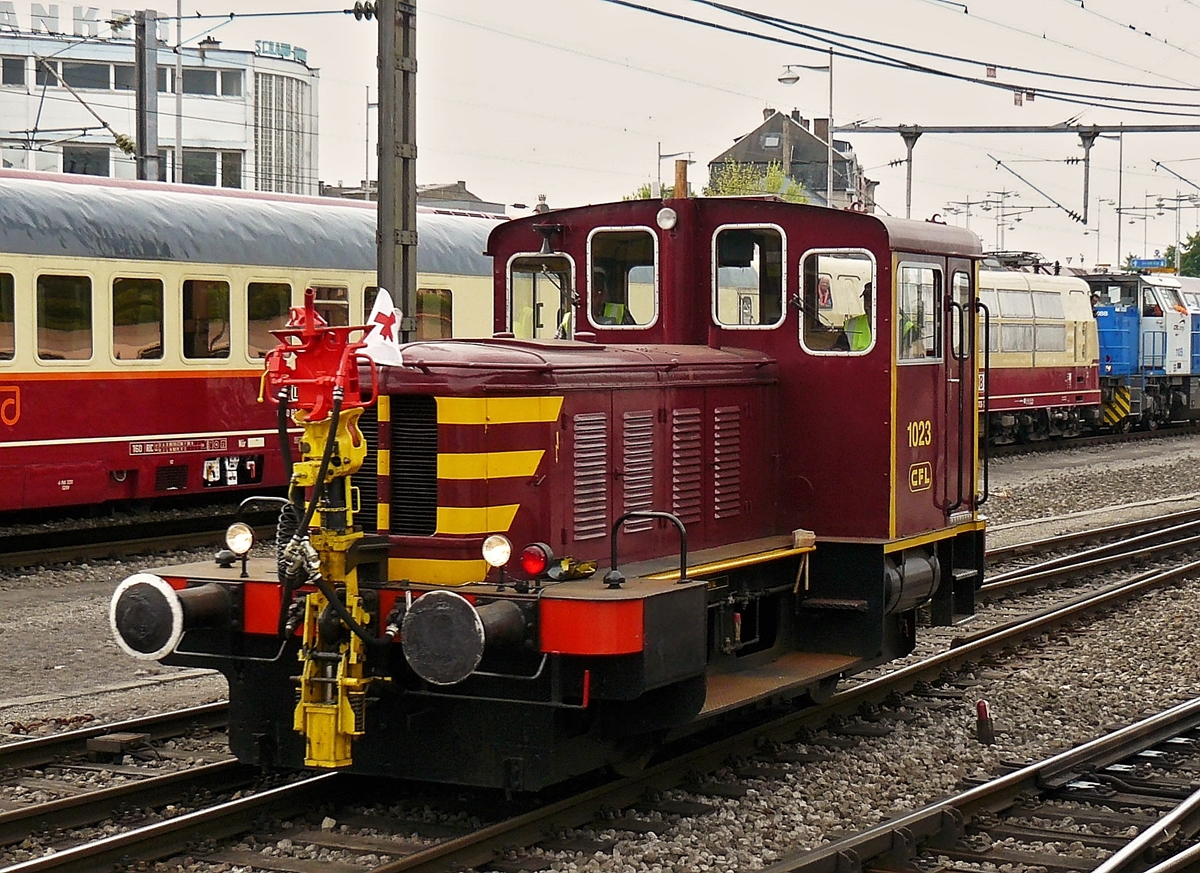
(614, 578)
(959, 355)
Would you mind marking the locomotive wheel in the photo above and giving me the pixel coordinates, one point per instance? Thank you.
(1126, 425)
(634, 761)
(1152, 424)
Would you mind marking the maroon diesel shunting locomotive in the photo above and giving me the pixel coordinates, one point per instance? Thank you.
(719, 451)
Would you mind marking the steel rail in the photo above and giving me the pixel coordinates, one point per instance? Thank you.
(95, 806)
(946, 818)
(1104, 557)
(1003, 553)
(162, 839)
(39, 751)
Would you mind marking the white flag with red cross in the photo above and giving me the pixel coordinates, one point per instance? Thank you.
(383, 339)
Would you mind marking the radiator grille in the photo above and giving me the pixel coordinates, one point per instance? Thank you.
(686, 465)
(366, 480)
(637, 465)
(414, 465)
(591, 475)
(727, 461)
(173, 477)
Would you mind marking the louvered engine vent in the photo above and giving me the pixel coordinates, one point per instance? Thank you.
(414, 465)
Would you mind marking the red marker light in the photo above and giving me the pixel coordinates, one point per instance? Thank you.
(535, 558)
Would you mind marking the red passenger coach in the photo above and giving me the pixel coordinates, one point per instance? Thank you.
(719, 452)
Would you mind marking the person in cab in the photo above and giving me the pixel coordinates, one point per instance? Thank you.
(858, 327)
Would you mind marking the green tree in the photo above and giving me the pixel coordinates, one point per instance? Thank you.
(1189, 256)
(646, 192)
(736, 179)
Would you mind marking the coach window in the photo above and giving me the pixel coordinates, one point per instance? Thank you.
(137, 319)
(205, 319)
(1016, 336)
(622, 278)
(1050, 331)
(540, 295)
(435, 316)
(266, 310)
(64, 318)
(8, 347)
(332, 303)
(919, 313)
(838, 302)
(748, 287)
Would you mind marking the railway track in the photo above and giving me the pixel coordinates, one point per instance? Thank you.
(119, 538)
(212, 832)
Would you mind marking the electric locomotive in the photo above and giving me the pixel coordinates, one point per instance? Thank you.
(718, 453)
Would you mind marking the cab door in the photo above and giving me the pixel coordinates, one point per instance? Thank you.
(961, 417)
(924, 429)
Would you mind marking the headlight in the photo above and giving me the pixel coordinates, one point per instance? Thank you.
(239, 538)
(497, 550)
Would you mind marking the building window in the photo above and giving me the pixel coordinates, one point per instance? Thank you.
(231, 169)
(266, 310)
(281, 130)
(79, 74)
(166, 78)
(13, 71)
(125, 77)
(199, 167)
(231, 83)
(137, 314)
(47, 72)
(200, 81)
(64, 318)
(8, 347)
(86, 160)
(205, 319)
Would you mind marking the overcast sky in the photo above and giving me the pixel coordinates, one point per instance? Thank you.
(570, 98)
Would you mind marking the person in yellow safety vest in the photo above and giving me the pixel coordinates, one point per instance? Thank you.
(858, 327)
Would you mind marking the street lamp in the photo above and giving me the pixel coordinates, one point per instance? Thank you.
(789, 76)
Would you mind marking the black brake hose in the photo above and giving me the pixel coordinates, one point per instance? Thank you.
(285, 442)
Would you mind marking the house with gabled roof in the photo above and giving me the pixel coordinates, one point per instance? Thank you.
(801, 148)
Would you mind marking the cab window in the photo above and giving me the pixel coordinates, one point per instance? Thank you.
(963, 316)
(838, 302)
(541, 297)
(64, 318)
(622, 278)
(748, 286)
(919, 313)
(266, 310)
(137, 315)
(205, 319)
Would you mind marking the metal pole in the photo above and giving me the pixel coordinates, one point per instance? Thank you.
(657, 192)
(1178, 207)
(829, 136)
(177, 170)
(1120, 192)
(397, 236)
(367, 147)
